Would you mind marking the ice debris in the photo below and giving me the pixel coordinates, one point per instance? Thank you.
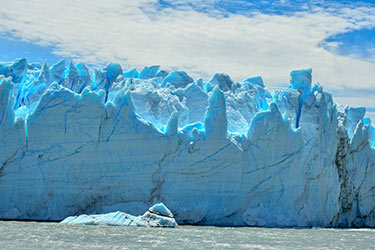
(156, 216)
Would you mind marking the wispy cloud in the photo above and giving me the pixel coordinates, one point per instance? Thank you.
(136, 33)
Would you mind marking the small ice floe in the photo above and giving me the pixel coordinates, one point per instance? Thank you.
(156, 216)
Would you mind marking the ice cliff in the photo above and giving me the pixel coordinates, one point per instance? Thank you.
(75, 140)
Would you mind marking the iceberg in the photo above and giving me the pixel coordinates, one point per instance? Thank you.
(77, 140)
(156, 216)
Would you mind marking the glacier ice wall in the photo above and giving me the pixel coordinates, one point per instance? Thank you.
(76, 140)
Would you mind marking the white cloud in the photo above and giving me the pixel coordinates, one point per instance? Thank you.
(268, 45)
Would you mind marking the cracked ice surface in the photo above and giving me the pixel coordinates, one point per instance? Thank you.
(75, 140)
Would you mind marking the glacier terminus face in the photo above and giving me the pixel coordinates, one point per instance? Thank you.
(76, 140)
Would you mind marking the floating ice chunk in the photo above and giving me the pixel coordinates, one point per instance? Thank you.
(160, 209)
(159, 216)
(112, 219)
(179, 79)
(156, 216)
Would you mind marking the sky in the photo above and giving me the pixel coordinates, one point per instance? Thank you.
(241, 38)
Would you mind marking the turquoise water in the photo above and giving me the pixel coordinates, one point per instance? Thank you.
(36, 235)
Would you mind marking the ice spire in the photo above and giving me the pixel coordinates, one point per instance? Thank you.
(57, 70)
(44, 75)
(112, 71)
(84, 75)
(124, 100)
(215, 120)
(172, 125)
(6, 103)
(300, 80)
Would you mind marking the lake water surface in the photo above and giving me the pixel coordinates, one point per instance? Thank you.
(38, 235)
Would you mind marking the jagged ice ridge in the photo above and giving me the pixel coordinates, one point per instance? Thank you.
(75, 140)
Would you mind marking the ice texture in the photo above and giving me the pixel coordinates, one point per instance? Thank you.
(76, 140)
(156, 216)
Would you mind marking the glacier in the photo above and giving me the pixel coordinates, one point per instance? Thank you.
(156, 216)
(80, 140)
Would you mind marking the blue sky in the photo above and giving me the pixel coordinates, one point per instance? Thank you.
(241, 38)
(13, 47)
(357, 43)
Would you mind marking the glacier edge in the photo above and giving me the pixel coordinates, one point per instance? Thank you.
(76, 141)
